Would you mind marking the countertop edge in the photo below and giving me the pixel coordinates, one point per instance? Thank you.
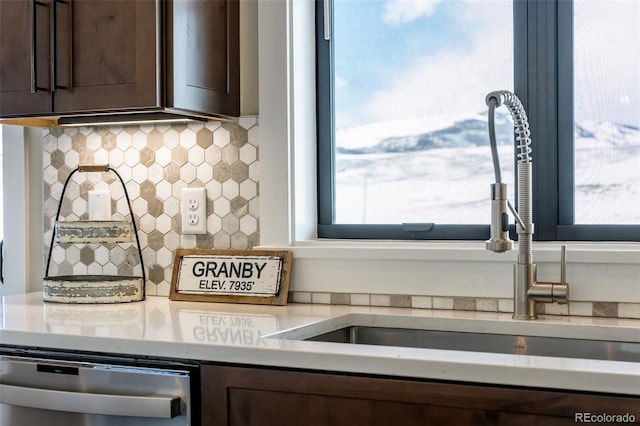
(162, 328)
(611, 377)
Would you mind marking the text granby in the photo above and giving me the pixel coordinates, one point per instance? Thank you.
(241, 269)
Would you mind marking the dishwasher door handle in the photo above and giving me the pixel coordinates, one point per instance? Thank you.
(166, 407)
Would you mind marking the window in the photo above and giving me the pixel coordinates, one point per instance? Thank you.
(402, 123)
(607, 111)
(1, 190)
(1, 218)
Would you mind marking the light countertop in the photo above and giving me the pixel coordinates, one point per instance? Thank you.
(252, 334)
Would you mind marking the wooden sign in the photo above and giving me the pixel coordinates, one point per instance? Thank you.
(234, 276)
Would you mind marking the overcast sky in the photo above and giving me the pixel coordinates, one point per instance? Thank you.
(411, 59)
(607, 60)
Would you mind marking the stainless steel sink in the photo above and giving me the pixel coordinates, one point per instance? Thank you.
(484, 342)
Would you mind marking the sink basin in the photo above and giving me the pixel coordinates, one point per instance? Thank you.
(484, 342)
(535, 338)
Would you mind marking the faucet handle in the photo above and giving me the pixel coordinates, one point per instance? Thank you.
(545, 292)
(563, 264)
(560, 291)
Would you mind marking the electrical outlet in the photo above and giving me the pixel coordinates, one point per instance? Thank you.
(193, 203)
(99, 205)
(194, 210)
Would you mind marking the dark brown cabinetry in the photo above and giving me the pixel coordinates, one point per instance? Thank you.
(24, 45)
(236, 396)
(66, 57)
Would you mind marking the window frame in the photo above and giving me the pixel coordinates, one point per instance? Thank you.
(23, 207)
(550, 113)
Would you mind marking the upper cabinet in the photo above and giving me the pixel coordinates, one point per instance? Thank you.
(80, 57)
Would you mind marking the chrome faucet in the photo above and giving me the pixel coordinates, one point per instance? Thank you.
(527, 291)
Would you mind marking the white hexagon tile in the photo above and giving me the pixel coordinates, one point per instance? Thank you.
(156, 162)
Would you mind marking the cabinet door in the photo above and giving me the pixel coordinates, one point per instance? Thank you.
(105, 55)
(203, 56)
(235, 396)
(24, 58)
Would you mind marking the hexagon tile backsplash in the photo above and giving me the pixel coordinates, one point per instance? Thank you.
(156, 162)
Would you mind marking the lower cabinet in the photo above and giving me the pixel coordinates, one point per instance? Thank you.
(240, 396)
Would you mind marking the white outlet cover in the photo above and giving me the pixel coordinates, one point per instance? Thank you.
(194, 210)
(99, 205)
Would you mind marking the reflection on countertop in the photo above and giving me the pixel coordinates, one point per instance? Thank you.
(197, 326)
(251, 334)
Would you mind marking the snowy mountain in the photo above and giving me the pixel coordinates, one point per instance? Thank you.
(460, 133)
(474, 132)
(442, 172)
(614, 134)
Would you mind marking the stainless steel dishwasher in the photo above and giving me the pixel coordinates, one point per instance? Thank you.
(54, 390)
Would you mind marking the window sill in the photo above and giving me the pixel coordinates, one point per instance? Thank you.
(592, 253)
(595, 272)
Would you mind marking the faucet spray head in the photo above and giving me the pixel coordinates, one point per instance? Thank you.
(497, 96)
(499, 241)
